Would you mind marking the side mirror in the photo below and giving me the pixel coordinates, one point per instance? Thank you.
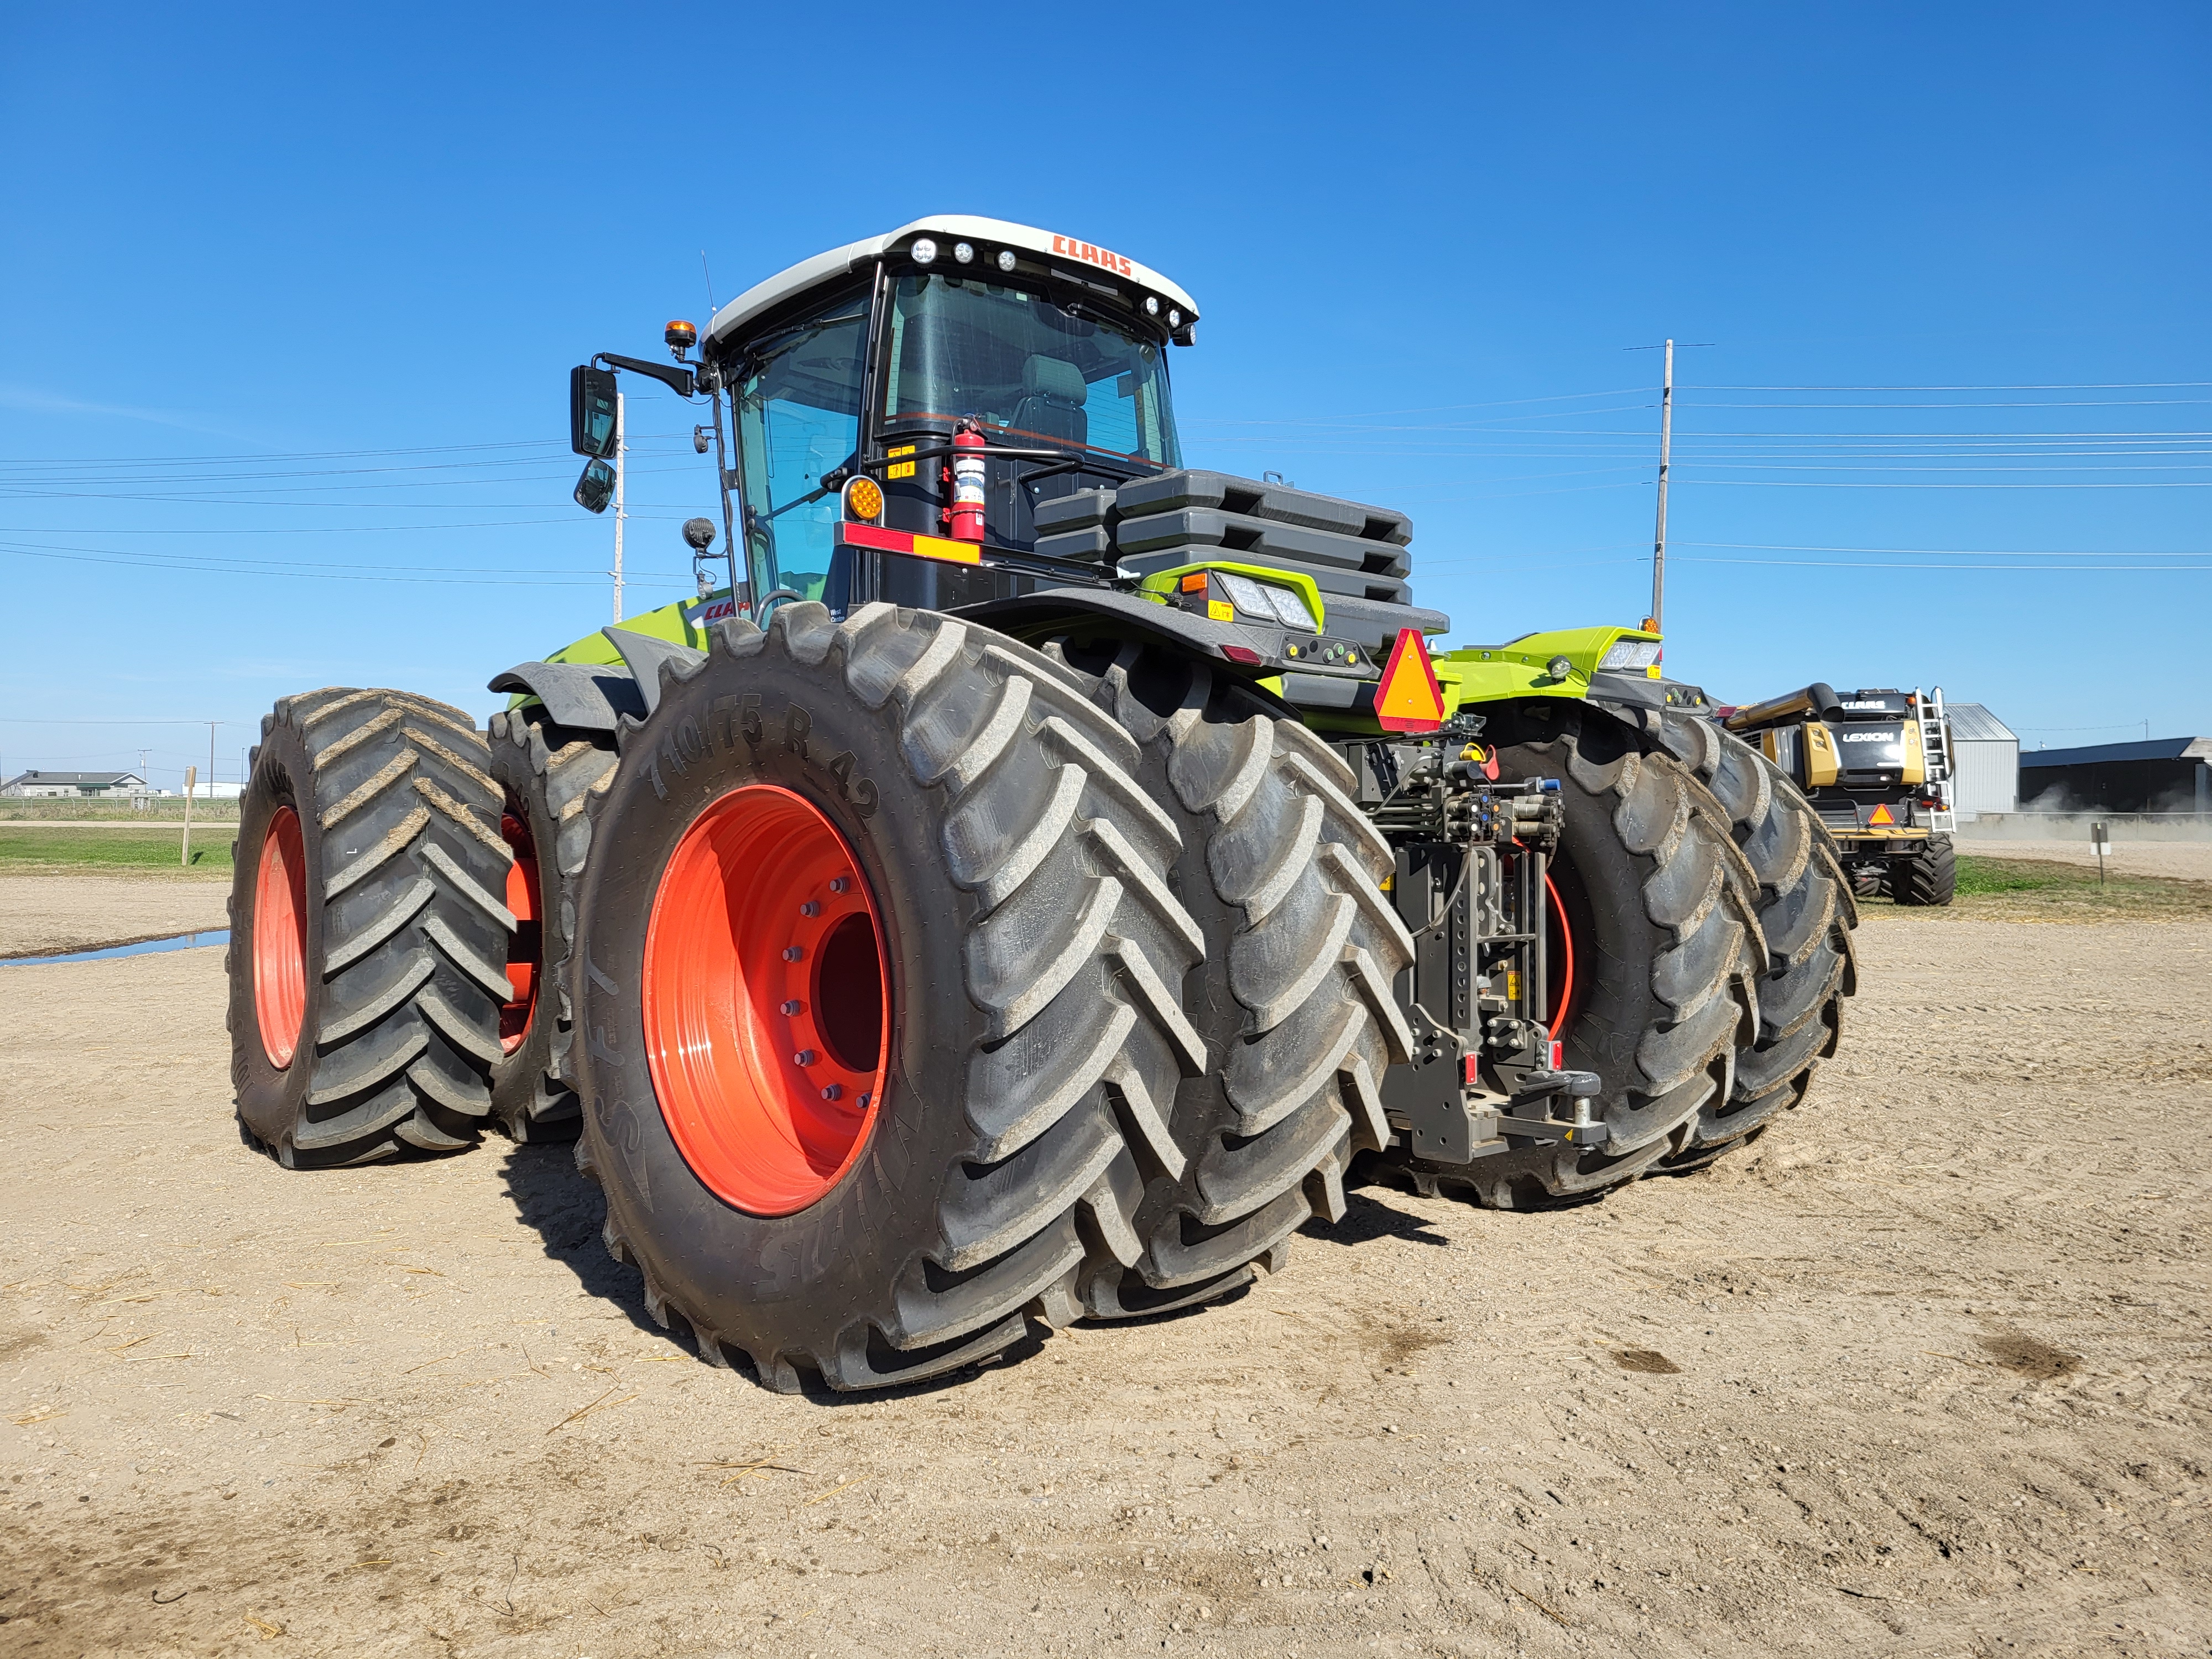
(593, 427)
(596, 487)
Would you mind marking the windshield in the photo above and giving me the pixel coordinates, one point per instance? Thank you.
(799, 417)
(1024, 366)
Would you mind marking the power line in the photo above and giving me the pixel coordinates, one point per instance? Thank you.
(1844, 564)
(158, 561)
(1962, 552)
(2053, 386)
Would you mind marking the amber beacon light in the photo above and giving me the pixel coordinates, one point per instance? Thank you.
(864, 500)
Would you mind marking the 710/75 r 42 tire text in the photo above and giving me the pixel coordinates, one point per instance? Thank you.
(1006, 994)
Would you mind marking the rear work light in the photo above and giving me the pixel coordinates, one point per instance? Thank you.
(1626, 656)
(1267, 600)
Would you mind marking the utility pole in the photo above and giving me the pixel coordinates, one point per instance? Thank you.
(211, 726)
(622, 445)
(1659, 536)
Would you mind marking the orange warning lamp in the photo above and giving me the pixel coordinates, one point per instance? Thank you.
(680, 337)
(864, 500)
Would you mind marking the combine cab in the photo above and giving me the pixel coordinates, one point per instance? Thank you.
(1018, 891)
(1876, 764)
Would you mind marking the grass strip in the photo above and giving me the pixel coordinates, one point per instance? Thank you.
(2041, 889)
(26, 848)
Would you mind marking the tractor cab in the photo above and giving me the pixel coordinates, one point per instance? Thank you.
(937, 387)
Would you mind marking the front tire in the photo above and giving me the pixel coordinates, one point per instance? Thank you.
(369, 935)
(1806, 915)
(1929, 878)
(1029, 1034)
(546, 773)
(1667, 951)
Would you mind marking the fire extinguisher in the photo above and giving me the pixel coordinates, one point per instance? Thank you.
(967, 483)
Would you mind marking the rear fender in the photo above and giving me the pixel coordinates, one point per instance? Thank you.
(1477, 676)
(1033, 617)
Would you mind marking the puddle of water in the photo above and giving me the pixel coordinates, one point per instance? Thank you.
(144, 947)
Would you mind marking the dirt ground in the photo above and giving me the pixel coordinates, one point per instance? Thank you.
(1925, 1371)
(42, 914)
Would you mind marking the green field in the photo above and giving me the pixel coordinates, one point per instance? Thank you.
(2042, 890)
(29, 847)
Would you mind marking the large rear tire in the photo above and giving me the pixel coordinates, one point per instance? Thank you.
(1806, 915)
(1283, 872)
(369, 931)
(1929, 876)
(1666, 955)
(545, 772)
(1003, 1092)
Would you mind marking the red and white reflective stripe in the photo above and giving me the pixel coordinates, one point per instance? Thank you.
(906, 541)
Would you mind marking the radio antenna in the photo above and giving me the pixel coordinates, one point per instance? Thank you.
(711, 307)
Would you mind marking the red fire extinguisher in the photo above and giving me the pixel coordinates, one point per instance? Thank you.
(967, 483)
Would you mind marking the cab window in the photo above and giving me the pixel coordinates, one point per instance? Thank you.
(798, 418)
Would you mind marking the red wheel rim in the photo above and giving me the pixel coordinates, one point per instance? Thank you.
(765, 995)
(279, 938)
(526, 946)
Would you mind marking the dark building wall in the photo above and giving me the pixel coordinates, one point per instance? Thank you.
(2129, 785)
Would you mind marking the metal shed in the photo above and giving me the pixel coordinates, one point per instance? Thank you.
(1984, 760)
(2165, 775)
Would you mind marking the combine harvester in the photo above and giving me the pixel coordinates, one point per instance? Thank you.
(1876, 765)
(1023, 889)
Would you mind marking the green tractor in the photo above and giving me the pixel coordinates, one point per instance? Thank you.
(1021, 889)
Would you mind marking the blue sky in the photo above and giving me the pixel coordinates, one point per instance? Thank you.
(287, 299)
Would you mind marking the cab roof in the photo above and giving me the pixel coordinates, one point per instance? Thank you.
(988, 236)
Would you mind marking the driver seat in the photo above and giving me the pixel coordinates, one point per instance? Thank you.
(1051, 406)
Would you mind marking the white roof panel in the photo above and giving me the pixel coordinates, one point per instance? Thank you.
(948, 228)
(1972, 722)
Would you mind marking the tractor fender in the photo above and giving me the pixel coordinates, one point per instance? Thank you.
(1057, 610)
(583, 696)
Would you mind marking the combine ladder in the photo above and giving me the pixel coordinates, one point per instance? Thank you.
(1935, 752)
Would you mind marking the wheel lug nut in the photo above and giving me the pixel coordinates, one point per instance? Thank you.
(834, 1092)
(791, 953)
(841, 883)
(805, 1057)
(810, 909)
(794, 1006)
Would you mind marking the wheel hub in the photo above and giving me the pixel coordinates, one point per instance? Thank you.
(764, 996)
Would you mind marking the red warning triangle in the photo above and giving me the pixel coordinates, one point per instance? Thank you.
(1409, 699)
(1881, 815)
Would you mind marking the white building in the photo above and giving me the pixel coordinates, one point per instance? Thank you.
(75, 785)
(1984, 760)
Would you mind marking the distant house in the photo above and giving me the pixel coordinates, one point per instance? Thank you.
(71, 786)
(1984, 762)
(2165, 774)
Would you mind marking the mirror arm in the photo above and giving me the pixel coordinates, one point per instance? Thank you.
(740, 586)
(678, 380)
